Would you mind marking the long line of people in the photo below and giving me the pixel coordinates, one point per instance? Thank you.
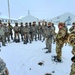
(26, 33)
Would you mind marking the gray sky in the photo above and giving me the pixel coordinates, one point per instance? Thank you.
(42, 9)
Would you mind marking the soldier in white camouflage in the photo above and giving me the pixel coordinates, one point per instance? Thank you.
(3, 68)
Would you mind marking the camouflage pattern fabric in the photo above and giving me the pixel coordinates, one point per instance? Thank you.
(60, 42)
(2, 66)
(73, 50)
(16, 31)
(72, 69)
(72, 30)
(49, 37)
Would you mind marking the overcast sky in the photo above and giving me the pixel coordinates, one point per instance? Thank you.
(42, 9)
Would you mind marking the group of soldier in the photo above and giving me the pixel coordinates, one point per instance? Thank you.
(5, 33)
(43, 31)
(30, 31)
(26, 33)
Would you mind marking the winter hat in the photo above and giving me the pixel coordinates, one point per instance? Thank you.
(73, 59)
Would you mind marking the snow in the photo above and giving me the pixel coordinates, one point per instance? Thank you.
(23, 59)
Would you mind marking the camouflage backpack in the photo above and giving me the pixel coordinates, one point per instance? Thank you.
(73, 67)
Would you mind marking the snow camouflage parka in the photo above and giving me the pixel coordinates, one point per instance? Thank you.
(72, 69)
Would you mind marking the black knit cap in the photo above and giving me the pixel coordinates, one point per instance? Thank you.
(73, 59)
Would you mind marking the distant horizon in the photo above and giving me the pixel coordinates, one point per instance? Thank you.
(42, 9)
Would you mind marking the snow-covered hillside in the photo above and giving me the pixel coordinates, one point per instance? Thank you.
(23, 59)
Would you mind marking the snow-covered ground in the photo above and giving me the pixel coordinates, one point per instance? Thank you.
(23, 59)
